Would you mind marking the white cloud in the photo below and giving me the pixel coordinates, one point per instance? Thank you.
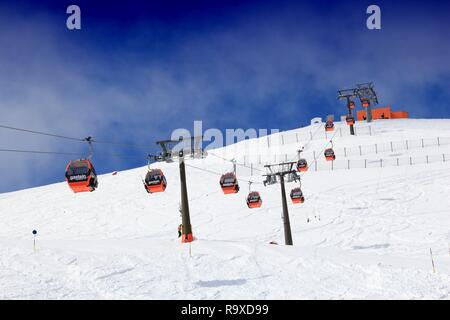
(54, 82)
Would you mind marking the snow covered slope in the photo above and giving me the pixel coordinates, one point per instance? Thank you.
(369, 233)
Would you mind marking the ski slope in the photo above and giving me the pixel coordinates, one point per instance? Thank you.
(361, 233)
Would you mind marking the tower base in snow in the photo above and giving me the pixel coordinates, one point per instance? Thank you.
(187, 238)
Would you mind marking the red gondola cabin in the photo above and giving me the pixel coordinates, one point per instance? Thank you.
(81, 176)
(297, 196)
(350, 119)
(229, 183)
(329, 154)
(155, 181)
(302, 165)
(254, 200)
(329, 126)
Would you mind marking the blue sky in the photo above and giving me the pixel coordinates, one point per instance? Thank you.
(137, 70)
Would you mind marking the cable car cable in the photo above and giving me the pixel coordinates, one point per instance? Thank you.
(41, 133)
(72, 138)
(69, 153)
(237, 163)
(219, 174)
(324, 148)
(41, 152)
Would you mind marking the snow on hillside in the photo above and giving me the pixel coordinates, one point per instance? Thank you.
(369, 233)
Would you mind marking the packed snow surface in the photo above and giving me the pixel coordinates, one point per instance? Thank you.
(361, 233)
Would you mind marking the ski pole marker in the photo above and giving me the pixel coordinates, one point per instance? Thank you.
(432, 261)
(34, 232)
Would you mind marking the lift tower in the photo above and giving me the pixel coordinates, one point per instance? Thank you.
(348, 95)
(367, 96)
(285, 168)
(172, 149)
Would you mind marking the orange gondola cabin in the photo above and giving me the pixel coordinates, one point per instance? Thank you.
(329, 126)
(302, 165)
(81, 176)
(254, 200)
(351, 105)
(229, 183)
(350, 119)
(297, 196)
(329, 154)
(365, 103)
(155, 181)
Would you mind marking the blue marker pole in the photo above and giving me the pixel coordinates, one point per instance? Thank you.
(34, 239)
